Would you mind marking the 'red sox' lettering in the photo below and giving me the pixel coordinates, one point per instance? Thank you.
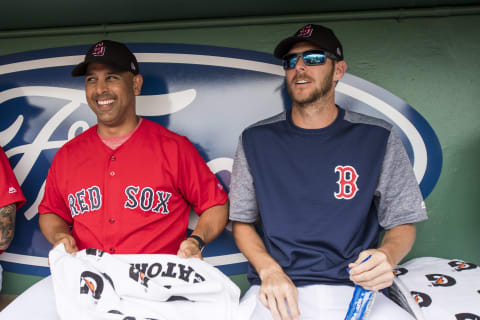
(147, 199)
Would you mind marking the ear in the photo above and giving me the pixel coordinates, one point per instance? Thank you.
(137, 84)
(340, 69)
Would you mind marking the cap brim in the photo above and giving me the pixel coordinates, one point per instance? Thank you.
(79, 70)
(285, 45)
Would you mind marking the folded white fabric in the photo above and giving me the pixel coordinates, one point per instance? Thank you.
(442, 288)
(93, 284)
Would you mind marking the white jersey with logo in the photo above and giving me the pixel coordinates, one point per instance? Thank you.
(93, 284)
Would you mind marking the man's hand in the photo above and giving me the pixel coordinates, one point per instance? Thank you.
(210, 224)
(56, 231)
(374, 274)
(377, 272)
(277, 291)
(189, 249)
(279, 294)
(67, 240)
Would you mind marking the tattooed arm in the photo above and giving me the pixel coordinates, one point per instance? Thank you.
(7, 225)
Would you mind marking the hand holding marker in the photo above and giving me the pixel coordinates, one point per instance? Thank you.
(361, 302)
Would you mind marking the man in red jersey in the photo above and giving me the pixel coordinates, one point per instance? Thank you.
(11, 198)
(126, 185)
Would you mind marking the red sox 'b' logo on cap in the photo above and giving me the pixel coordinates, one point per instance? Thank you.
(98, 50)
(305, 32)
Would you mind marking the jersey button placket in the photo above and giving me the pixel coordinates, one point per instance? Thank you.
(111, 225)
(111, 166)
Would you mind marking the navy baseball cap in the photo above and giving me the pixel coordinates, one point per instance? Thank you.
(319, 35)
(111, 53)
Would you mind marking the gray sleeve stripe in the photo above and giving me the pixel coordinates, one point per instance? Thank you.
(399, 199)
(276, 118)
(413, 217)
(354, 117)
(243, 202)
(237, 219)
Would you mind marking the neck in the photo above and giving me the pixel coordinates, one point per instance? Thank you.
(118, 130)
(316, 115)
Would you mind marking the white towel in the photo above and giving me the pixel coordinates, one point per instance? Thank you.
(93, 284)
(442, 288)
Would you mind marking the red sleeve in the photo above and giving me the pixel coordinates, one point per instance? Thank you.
(199, 185)
(53, 201)
(10, 191)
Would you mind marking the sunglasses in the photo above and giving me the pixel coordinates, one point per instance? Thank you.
(310, 58)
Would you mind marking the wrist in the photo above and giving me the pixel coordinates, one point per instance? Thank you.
(59, 236)
(198, 241)
(268, 270)
(388, 256)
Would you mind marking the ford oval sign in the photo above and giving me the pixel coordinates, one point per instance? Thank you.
(209, 94)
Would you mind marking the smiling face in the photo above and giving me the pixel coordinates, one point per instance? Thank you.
(308, 84)
(111, 96)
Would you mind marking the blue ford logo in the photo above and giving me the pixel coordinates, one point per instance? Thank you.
(208, 94)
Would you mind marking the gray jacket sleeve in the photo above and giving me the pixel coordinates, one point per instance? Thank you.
(398, 197)
(243, 202)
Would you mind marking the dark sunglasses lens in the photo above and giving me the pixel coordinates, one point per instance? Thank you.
(290, 61)
(314, 58)
(310, 58)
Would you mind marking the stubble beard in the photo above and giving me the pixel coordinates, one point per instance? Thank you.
(316, 95)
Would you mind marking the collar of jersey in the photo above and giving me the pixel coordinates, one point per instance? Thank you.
(323, 131)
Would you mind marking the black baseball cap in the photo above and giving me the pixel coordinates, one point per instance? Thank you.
(319, 35)
(110, 53)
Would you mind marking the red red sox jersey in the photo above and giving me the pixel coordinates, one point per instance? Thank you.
(134, 199)
(10, 191)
